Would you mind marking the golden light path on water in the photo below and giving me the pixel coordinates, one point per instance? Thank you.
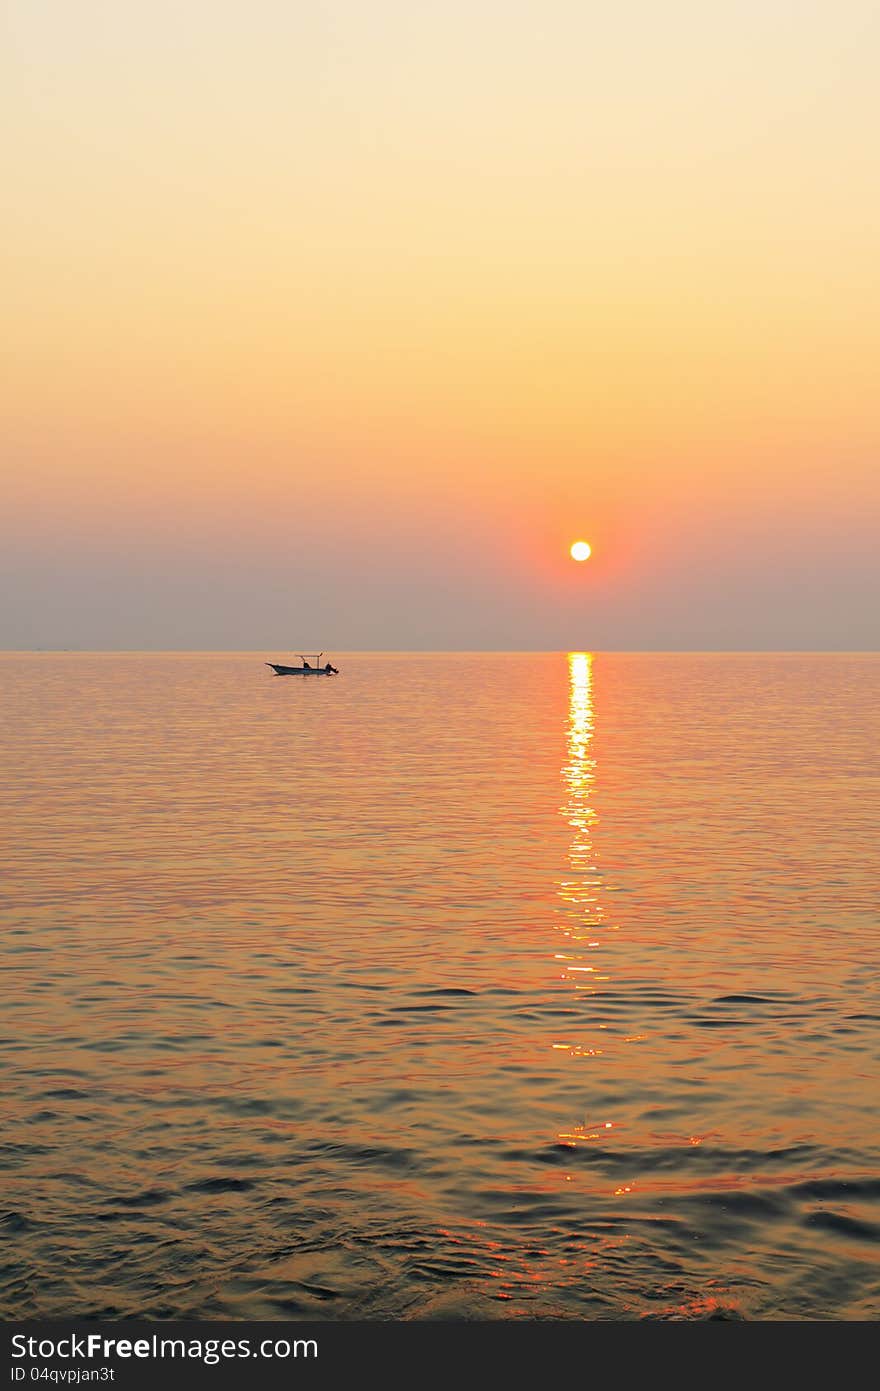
(585, 921)
(582, 891)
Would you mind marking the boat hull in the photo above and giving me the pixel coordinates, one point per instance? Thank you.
(281, 670)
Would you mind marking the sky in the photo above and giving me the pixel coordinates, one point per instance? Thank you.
(335, 324)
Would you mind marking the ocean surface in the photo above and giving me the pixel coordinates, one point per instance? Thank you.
(488, 986)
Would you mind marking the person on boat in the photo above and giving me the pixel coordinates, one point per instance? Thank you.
(306, 666)
(328, 668)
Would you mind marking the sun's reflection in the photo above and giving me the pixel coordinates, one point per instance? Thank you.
(581, 893)
(583, 922)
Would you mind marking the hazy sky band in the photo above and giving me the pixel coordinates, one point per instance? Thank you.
(337, 323)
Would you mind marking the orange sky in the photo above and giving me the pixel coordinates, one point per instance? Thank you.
(356, 316)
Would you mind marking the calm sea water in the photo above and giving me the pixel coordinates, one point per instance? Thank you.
(492, 986)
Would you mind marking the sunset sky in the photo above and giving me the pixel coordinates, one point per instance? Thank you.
(337, 323)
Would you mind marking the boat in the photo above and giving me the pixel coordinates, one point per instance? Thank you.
(310, 665)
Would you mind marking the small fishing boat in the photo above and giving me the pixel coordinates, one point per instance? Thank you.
(310, 665)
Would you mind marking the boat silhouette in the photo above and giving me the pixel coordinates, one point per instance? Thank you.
(310, 666)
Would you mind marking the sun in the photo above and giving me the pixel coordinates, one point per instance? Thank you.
(581, 550)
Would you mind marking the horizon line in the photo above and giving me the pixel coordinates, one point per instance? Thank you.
(445, 651)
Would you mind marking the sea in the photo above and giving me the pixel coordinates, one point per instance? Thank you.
(458, 985)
